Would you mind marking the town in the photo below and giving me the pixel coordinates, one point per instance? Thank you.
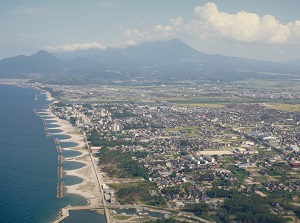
(192, 157)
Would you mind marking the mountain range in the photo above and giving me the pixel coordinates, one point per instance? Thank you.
(170, 60)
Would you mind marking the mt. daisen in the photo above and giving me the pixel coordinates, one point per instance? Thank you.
(160, 61)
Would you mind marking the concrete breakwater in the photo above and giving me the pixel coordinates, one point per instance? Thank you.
(75, 139)
(60, 191)
(60, 172)
(43, 121)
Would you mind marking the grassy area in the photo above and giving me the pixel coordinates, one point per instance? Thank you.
(191, 130)
(261, 151)
(228, 160)
(239, 174)
(122, 217)
(268, 84)
(203, 105)
(261, 179)
(286, 107)
(138, 193)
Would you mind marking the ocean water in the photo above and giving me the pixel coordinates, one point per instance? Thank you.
(89, 216)
(28, 161)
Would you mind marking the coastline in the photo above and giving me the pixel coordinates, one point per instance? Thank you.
(89, 188)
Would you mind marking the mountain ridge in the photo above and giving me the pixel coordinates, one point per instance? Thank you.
(160, 60)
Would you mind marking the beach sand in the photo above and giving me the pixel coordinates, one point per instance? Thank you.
(48, 96)
(89, 188)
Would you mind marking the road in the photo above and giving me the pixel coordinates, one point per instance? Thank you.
(100, 182)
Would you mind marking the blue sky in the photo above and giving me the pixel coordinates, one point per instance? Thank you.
(259, 29)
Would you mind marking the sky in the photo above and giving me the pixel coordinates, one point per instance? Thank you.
(255, 29)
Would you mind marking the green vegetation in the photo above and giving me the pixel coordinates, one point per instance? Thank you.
(248, 209)
(136, 193)
(166, 220)
(73, 120)
(202, 105)
(100, 140)
(122, 164)
(243, 207)
(122, 217)
(239, 174)
(124, 114)
(286, 107)
(53, 93)
(198, 209)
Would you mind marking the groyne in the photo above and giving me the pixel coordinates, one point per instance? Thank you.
(60, 191)
(43, 121)
(94, 200)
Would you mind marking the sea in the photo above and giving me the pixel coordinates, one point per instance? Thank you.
(28, 162)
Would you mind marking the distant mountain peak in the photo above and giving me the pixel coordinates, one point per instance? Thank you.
(161, 60)
(42, 53)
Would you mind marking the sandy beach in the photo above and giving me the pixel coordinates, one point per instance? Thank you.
(89, 188)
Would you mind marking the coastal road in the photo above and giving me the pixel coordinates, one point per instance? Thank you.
(99, 180)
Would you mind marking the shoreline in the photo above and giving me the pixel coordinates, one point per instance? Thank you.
(89, 188)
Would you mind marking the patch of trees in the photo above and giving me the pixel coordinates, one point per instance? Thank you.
(52, 92)
(198, 209)
(94, 137)
(136, 192)
(73, 120)
(243, 207)
(124, 114)
(249, 209)
(121, 164)
(205, 177)
(134, 126)
(184, 143)
(98, 140)
(166, 220)
(170, 191)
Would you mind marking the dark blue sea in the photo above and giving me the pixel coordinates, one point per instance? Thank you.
(28, 161)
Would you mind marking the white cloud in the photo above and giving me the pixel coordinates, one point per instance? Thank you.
(160, 28)
(134, 33)
(177, 23)
(76, 46)
(242, 26)
(136, 36)
(209, 22)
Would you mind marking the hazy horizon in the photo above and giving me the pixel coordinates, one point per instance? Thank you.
(268, 30)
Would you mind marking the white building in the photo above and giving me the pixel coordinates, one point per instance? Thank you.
(115, 127)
